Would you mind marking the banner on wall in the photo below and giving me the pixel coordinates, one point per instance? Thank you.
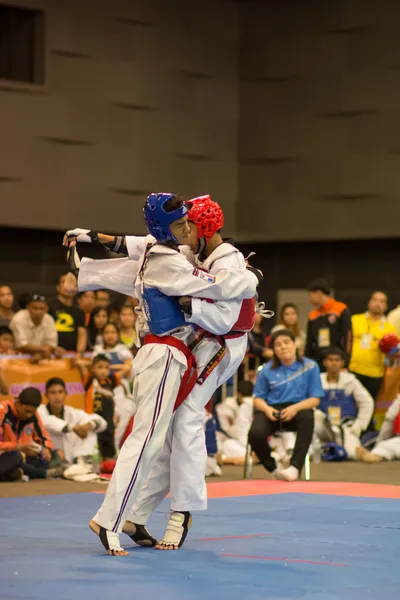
(21, 373)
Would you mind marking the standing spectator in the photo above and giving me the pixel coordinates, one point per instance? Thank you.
(86, 302)
(394, 318)
(100, 383)
(25, 444)
(73, 431)
(69, 319)
(127, 320)
(98, 320)
(34, 330)
(287, 390)
(346, 409)
(103, 298)
(367, 361)
(6, 305)
(289, 319)
(329, 324)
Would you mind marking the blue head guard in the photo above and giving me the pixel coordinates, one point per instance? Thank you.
(158, 220)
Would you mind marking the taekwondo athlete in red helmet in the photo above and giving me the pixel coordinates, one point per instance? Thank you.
(180, 467)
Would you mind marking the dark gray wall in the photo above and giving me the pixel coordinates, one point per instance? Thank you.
(319, 143)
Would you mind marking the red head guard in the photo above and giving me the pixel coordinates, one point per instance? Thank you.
(206, 214)
(388, 342)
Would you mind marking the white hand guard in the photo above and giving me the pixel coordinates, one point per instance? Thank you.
(264, 312)
(82, 235)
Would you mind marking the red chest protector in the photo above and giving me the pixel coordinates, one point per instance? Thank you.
(247, 316)
(396, 424)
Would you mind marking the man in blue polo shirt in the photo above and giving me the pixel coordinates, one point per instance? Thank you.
(287, 390)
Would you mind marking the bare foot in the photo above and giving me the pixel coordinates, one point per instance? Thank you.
(366, 456)
(109, 539)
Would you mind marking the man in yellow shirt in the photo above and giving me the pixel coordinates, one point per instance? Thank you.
(367, 361)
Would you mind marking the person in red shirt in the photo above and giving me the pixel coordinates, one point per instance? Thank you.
(25, 445)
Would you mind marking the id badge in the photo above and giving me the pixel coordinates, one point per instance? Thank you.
(334, 415)
(366, 341)
(324, 338)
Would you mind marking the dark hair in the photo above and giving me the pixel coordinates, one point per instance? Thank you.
(80, 294)
(245, 388)
(285, 333)
(30, 396)
(174, 203)
(333, 351)
(91, 328)
(377, 292)
(127, 305)
(115, 327)
(296, 327)
(4, 330)
(100, 358)
(319, 285)
(55, 381)
(103, 290)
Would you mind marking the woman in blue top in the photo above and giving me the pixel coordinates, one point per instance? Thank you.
(287, 390)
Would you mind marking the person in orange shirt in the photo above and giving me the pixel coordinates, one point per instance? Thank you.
(25, 445)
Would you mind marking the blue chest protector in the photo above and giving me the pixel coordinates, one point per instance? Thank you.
(163, 313)
(348, 407)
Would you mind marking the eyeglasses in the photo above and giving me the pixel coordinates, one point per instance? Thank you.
(38, 298)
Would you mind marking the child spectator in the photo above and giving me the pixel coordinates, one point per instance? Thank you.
(127, 320)
(117, 353)
(346, 408)
(100, 384)
(86, 302)
(98, 320)
(6, 340)
(73, 431)
(387, 445)
(25, 445)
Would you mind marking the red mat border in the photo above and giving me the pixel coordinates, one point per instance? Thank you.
(261, 487)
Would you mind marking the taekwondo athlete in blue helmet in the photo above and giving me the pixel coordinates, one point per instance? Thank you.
(165, 361)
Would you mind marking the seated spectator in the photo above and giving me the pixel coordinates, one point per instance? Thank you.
(232, 443)
(98, 320)
(329, 324)
(35, 331)
(69, 319)
(118, 354)
(73, 431)
(346, 408)
(86, 302)
(25, 446)
(127, 320)
(100, 383)
(6, 305)
(6, 340)
(287, 390)
(113, 310)
(103, 298)
(387, 445)
(367, 361)
(289, 319)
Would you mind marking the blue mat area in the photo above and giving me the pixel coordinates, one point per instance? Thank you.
(47, 552)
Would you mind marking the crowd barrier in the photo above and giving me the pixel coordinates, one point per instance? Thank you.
(21, 373)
